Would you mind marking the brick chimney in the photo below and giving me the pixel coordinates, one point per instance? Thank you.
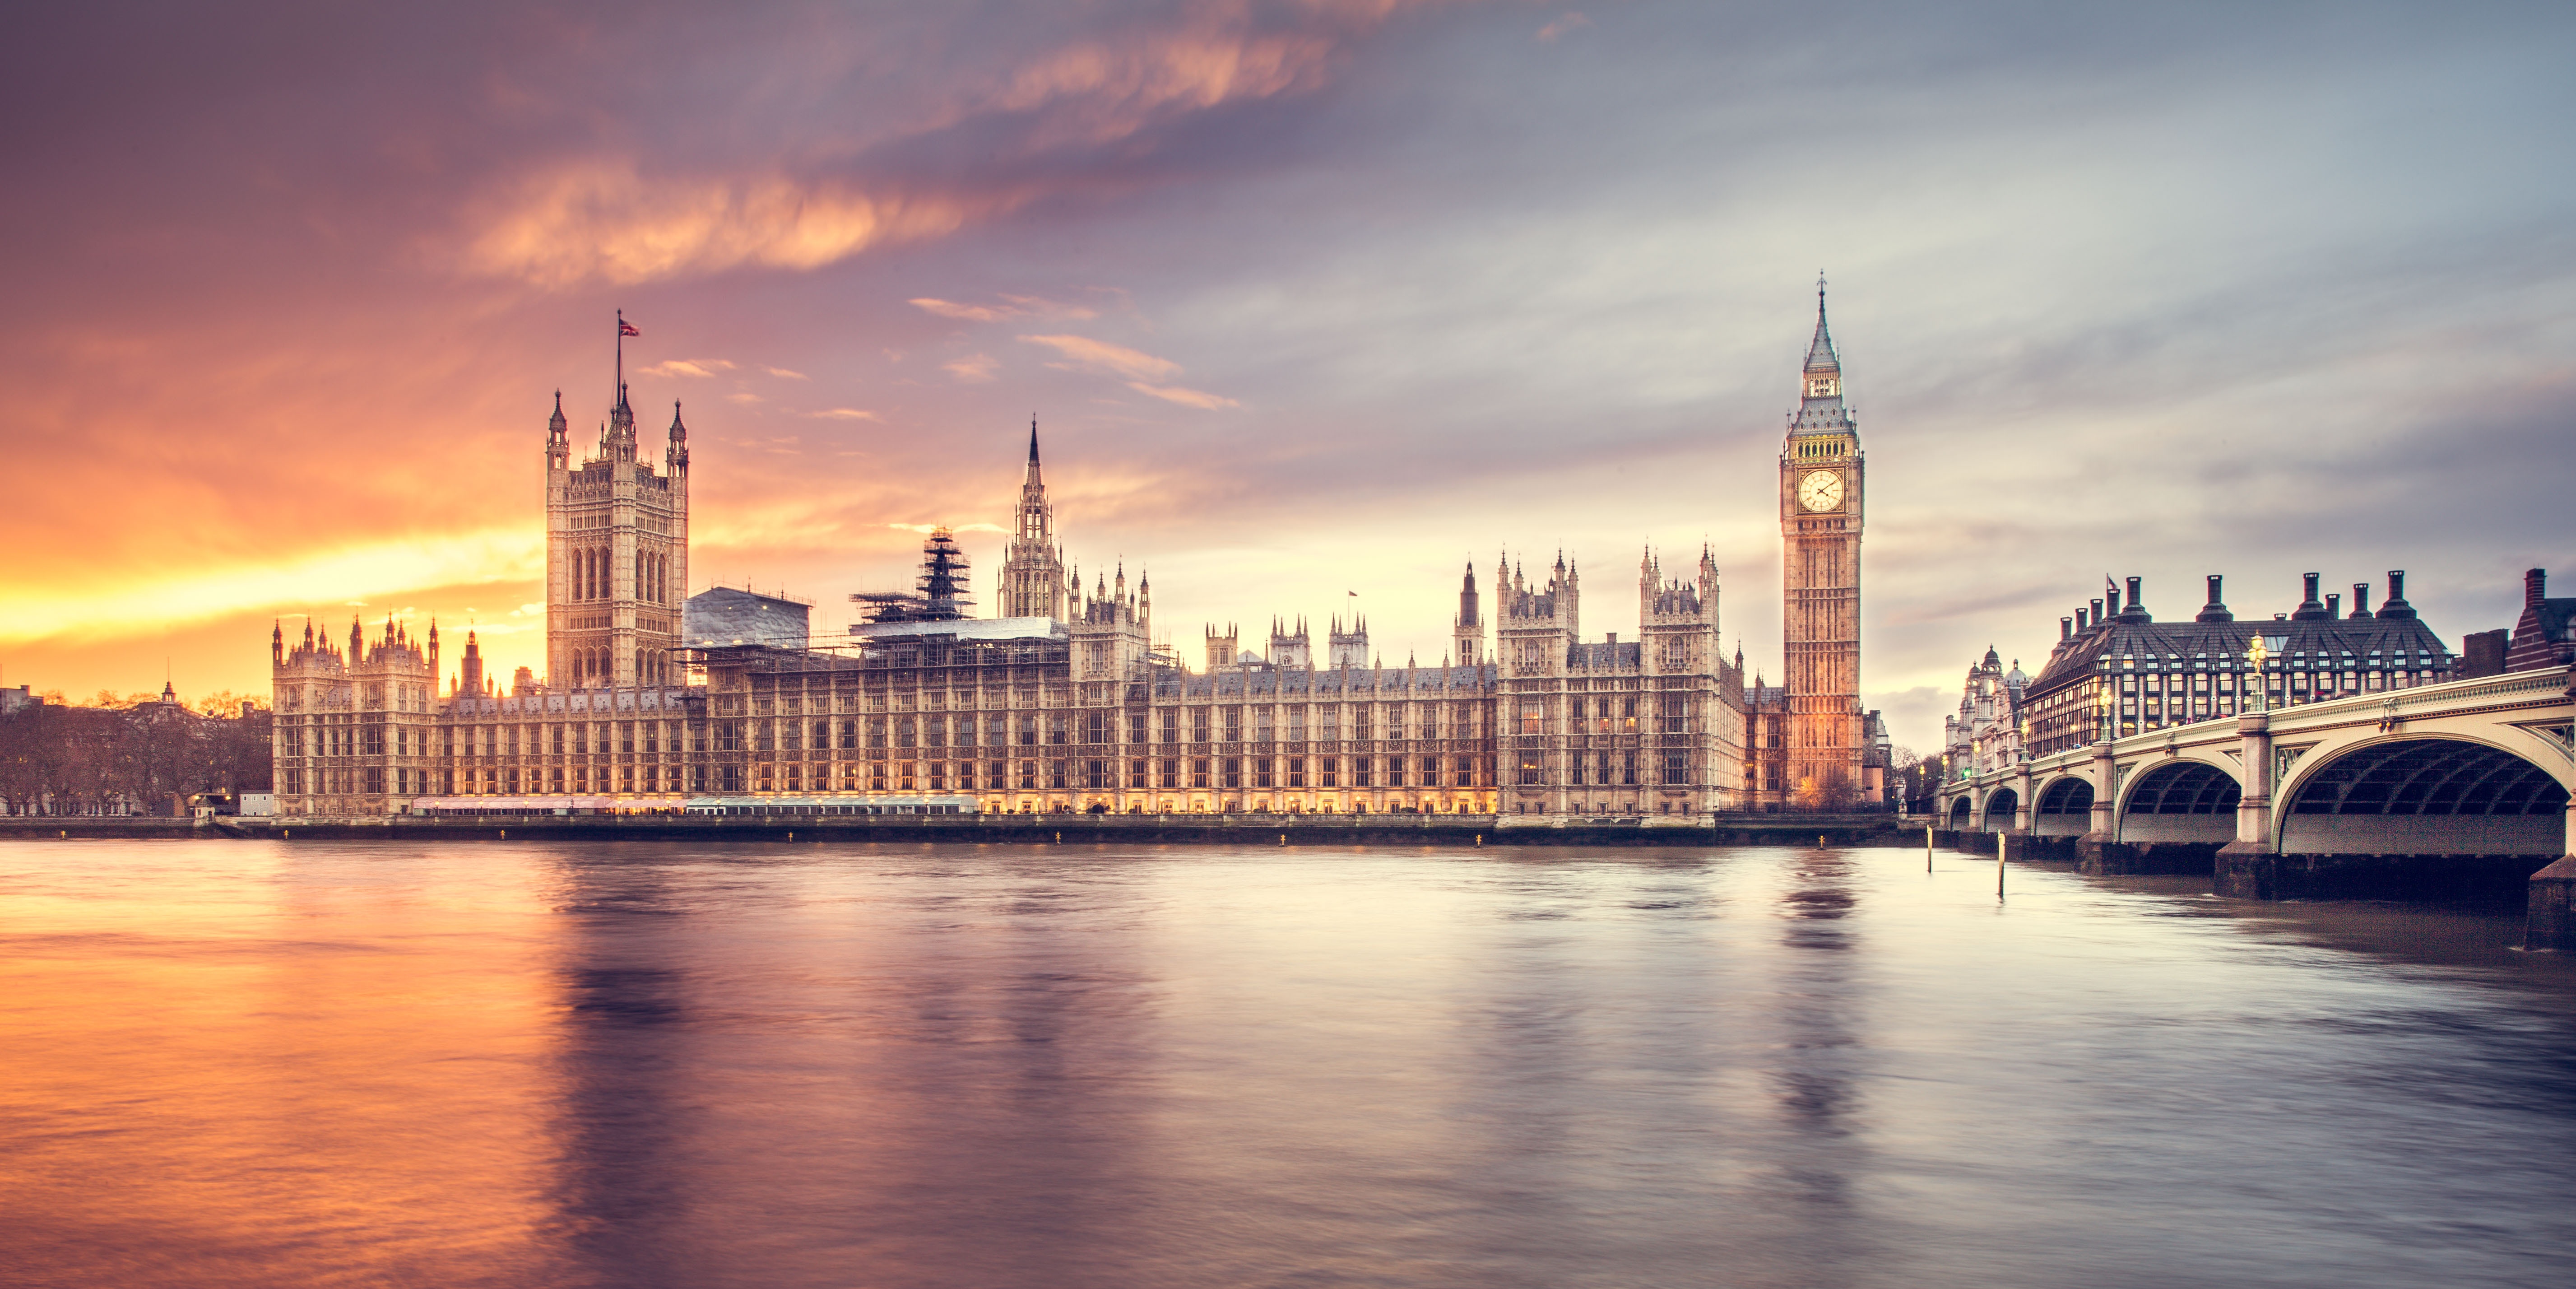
(2535, 588)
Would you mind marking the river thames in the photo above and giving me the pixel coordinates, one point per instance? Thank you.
(788, 1065)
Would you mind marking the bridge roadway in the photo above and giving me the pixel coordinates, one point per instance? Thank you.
(2456, 789)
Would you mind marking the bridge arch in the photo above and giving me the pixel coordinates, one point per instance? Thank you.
(1962, 815)
(2065, 808)
(2180, 801)
(2000, 807)
(2422, 795)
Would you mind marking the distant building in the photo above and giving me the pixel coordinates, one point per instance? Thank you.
(2546, 634)
(2116, 669)
(1985, 735)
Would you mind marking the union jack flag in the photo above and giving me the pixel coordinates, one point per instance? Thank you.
(625, 328)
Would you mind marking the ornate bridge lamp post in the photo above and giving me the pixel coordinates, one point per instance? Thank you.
(2247, 868)
(2103, 731)
(1976, 782)
(2022, 803)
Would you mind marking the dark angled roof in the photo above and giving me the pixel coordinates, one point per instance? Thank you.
(2123, 637)
(2544, 635)
(1605, 655)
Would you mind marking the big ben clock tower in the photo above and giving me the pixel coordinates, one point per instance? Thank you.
(1820, 522)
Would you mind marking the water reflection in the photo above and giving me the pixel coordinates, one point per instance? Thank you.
(789, 1066)
(1816, 1084)
(628, 1111)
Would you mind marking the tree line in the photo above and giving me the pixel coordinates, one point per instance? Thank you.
(120, 754)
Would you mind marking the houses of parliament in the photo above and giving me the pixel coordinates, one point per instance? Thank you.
(1063, 701)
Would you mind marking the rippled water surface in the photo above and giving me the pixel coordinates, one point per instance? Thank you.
(772, 1065)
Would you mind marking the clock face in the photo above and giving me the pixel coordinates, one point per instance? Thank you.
(1820, 490)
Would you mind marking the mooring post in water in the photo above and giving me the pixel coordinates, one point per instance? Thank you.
(2003, 842)
(1820, 841)
(1927, 848)
(1480, 839)
(1059, 839)
(1283, 839)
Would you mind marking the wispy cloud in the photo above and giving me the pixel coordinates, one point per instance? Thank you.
(1138, 369)
(785, 374)
(954, 528)
(686, 367)
(1086, 353)
(972, 369)
(1012, 308)
(610, 219)
(1563, 25)
(609, 222)
(845, 414)
(1184, 396)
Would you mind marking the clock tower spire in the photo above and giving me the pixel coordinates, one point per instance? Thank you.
(1820, 528)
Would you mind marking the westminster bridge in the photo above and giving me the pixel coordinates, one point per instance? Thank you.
(2459, 788)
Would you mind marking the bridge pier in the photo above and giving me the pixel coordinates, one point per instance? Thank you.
(2247, 876)
(2549, 899)
(2135, 859)
(2248, 868)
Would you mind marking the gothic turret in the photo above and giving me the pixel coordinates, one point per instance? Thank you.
(1467, 634)
(470, 679)
(1033, 578)
(558, 438)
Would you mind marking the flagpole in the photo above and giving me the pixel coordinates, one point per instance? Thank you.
(620, 391)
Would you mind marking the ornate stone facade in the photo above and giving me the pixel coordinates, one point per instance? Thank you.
(1065, 702)
(617, 554)
(1821, 484)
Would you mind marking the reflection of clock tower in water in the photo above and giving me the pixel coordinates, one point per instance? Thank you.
(1820, 519)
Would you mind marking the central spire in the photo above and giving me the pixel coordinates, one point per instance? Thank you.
(1820, 351)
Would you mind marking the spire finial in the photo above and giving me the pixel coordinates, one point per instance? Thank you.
(1820, 351)
(1033, 438)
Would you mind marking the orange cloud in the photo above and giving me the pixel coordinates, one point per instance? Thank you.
(1139, 369)
(605, 222)
(1184, 396)
(1100, 355)
(972, 369)
(1012, 308)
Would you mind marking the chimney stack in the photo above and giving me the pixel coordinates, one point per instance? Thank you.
(2137, 611)
(2395, 606)
(2216, 609)
(2066, 628)
(2309, 608)
(2535, 588)
(2098, 619)
(2334, 605)
(2361, 599)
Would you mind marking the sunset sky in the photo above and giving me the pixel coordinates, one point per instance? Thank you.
(1308, 299)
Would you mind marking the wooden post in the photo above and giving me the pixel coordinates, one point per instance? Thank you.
(2003, 842)
(1927, 848)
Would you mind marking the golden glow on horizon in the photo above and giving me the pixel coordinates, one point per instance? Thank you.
(315, 582)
